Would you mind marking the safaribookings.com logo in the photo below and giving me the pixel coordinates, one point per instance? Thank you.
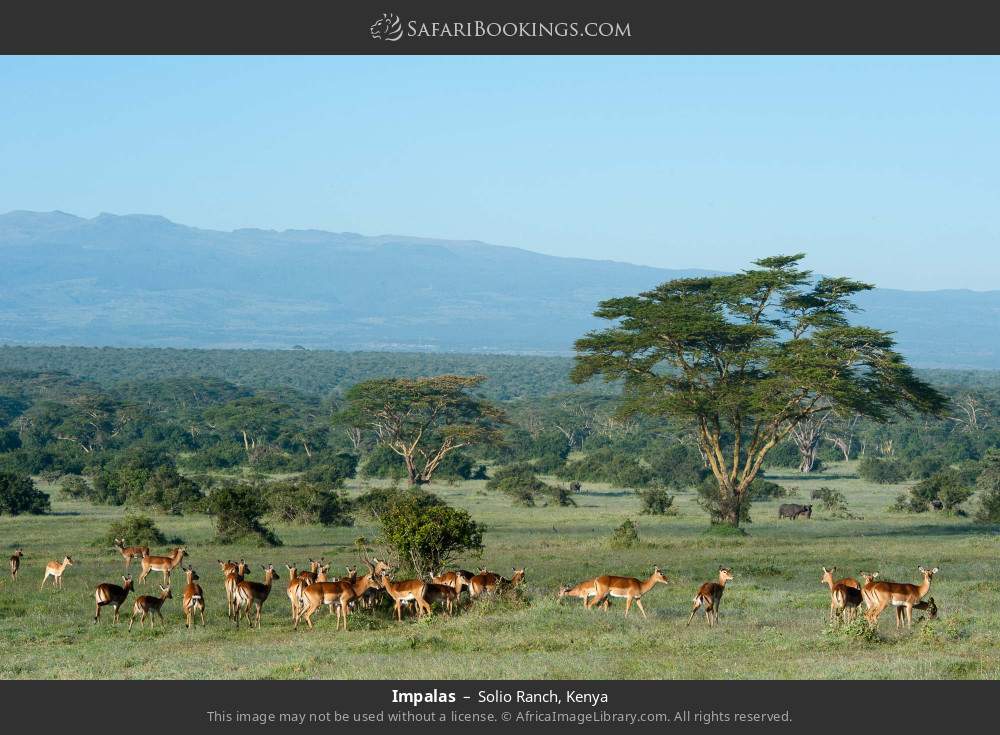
(390, 28)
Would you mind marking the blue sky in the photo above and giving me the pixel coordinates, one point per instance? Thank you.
(886, 169)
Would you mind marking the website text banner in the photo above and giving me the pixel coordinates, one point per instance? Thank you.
(515, 26)
(316, 706)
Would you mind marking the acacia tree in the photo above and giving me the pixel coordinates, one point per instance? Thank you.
(742, 360)
(423, 420)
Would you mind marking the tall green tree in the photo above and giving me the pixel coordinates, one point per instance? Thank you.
(742, 360)
(423, 420)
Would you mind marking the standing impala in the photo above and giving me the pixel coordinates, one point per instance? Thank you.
(149, 605)
(15, 563)
(129, 552)
(165, 564)
(255, 594)
(55, 570)
(111, 594)
(585, 590)
(314, 567)
(447, 594)
(235, 572)
(845, 595)
(296, 586)
(709, 597)
(905, 596)
(194, 597)
(341, 594)
(628, 587)
(404, 591)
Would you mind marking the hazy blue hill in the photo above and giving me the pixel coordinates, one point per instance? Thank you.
(143, 280)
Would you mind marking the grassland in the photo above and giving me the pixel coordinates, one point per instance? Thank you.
(773, 621)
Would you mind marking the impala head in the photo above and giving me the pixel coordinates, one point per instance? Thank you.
(67, 561)
(127, 582)
(352, 573)
(226, 565)
(725, 574)
(243, 568)
(564, 590)
(191, 574)
(827, 577)
(518, 575)
(166, 592)
(119, 543)
(484, 570)
(17, 554)
(293, 571)
(182, 551)
(269, 572)
(868, 577)
(658, 576)
(928, 573)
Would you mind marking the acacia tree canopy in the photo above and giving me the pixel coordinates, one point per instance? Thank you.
(743, 359)
(423, 420)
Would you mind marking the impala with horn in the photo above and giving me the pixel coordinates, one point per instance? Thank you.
(899, 595)
(129, 553)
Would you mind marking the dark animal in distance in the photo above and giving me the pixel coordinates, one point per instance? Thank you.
(794, 510)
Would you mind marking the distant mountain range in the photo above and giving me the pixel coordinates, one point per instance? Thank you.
(144, 280)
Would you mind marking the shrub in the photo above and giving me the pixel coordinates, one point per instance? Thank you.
(76, 487)
(610, 466)
(945, 486)
(988, 484)
(169, 491)
(656, 501)
(922, 467)
(761, 489)
(331, 471)
(18, 495)
(677, 466)
(384, 463)
(422, 532)
(137, 530)
(833, 501)
(238, 509)
(304, 502)
(520, 483)
(626, 536)
(881, 471)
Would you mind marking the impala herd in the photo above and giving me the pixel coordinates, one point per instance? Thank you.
(309, 590)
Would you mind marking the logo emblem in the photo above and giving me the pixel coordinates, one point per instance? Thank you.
(387, 28)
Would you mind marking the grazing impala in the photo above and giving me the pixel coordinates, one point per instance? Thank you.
(709, 597)
(234, 572)
(194, 597)
(55, 570)
(628, 587)
(254, 593)
(149, 605)
(164, 564)
(129, 552)
(845, 595)
(404, 591)
(585, 590)
(904, 596)
(341, 594)
(491, 583)
(15, 563)
(111, 594)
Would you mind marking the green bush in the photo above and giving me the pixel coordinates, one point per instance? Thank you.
(168, 491)
(988, 484)
(75, 487)
(945, 486)
(304, 502)
(717, 506)
(881, 471)
(656, 501)
(523, 486)
(331, 471)
(18, 495)
(834, 502)
(384, 463)
(137, 530)
(422, 532)
(610, 466)
(626, 536)
(238, 509)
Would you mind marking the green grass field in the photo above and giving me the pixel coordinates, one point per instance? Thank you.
(773, 623)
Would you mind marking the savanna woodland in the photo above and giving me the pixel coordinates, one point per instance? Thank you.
(670, 440)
